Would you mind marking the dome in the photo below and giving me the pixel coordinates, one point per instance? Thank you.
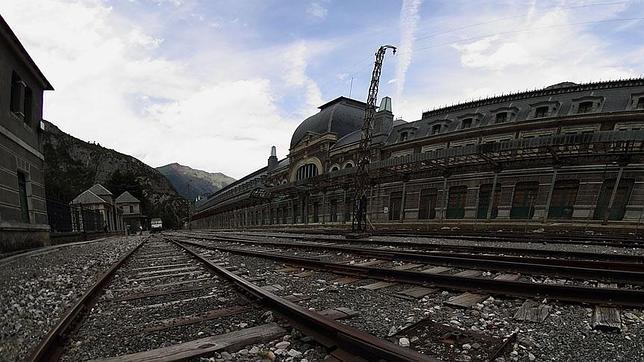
(340, 116)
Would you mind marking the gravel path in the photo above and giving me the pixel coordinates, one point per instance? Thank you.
(566, 334)
(38, 289)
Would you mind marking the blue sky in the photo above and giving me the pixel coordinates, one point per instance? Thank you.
(213, 84)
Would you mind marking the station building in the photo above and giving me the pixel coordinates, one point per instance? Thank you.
(23, 211)
(568, 154)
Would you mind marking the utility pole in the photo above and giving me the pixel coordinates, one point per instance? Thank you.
(361, 181)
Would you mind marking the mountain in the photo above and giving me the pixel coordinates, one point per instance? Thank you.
(192, 183)
(73, 165)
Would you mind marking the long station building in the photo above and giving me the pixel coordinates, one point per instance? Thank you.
(566, 154)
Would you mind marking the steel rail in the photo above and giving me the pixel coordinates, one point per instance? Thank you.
(546, 237)
(610, 272)
(51, 347)
(577, 294)
(625, 258)
(501, 237)
(551, 257)
(345, 337)
(592, 264)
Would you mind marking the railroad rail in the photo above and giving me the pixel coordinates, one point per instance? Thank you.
(545, 253)
(577, 294)
(323, 329)
(338, 337)
(585, 269)
(51, 347)
(545, 238)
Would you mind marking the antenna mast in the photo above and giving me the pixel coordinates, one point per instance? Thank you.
(361, 181)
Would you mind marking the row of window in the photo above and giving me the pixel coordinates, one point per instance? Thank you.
(524, 199)
(508, 114)
(21, 103)
(523, 204)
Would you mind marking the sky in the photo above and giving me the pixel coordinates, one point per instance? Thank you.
(212, 84)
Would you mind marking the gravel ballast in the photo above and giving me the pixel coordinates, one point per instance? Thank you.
(37, 289)
(566, 333)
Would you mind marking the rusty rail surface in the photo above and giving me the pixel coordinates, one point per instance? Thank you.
(609, 272)
(577, 294)
(51, 347)
(345, 337)
(624, 258)
(510, 237)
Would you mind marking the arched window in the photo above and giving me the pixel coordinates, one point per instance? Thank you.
(334, 168)
(306, 171)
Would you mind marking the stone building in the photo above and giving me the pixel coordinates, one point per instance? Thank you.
(568, 154)
(95, 210)
(130, 206)
(23, 212)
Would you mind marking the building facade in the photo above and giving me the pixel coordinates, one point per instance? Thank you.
(23, 211)
(130, 206)
(566, 154)
(95, 210)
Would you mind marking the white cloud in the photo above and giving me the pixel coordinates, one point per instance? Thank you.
(408, 22)
(316, 10)
(295, 61)
(509, 52)
(114, 88)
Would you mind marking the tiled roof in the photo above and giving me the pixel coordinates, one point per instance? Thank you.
(100, 190)
(88, 197)
(126, 197)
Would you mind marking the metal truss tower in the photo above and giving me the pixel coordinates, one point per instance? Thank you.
(361, 181)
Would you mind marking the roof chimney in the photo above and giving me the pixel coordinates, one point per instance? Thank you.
(272, 160)
(385, 104)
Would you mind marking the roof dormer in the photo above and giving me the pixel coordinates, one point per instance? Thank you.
(504, 115)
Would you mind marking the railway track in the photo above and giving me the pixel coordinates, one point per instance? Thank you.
(544, 238)
(610, 295)
(447, 248)
(618, 272)
(168, 300)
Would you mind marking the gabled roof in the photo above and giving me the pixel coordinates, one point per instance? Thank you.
(126, 197)
(100, 190)
(88, 197)
(8, 34)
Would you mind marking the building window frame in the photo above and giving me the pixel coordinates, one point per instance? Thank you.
(23, 194)
(16, 105)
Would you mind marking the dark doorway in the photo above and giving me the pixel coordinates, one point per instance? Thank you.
(395, 201)
(485, 195)
(456, 202)
(427, 204)
(525, 197)
(622, 195)
(24, 204)
(316, 212)
(333, 206)
(563, 199)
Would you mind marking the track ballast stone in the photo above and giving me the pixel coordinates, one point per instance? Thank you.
(38, 289)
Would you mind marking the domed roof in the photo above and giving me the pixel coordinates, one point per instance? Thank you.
(340, 116)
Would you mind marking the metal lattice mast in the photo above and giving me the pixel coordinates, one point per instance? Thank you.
(361, 181)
